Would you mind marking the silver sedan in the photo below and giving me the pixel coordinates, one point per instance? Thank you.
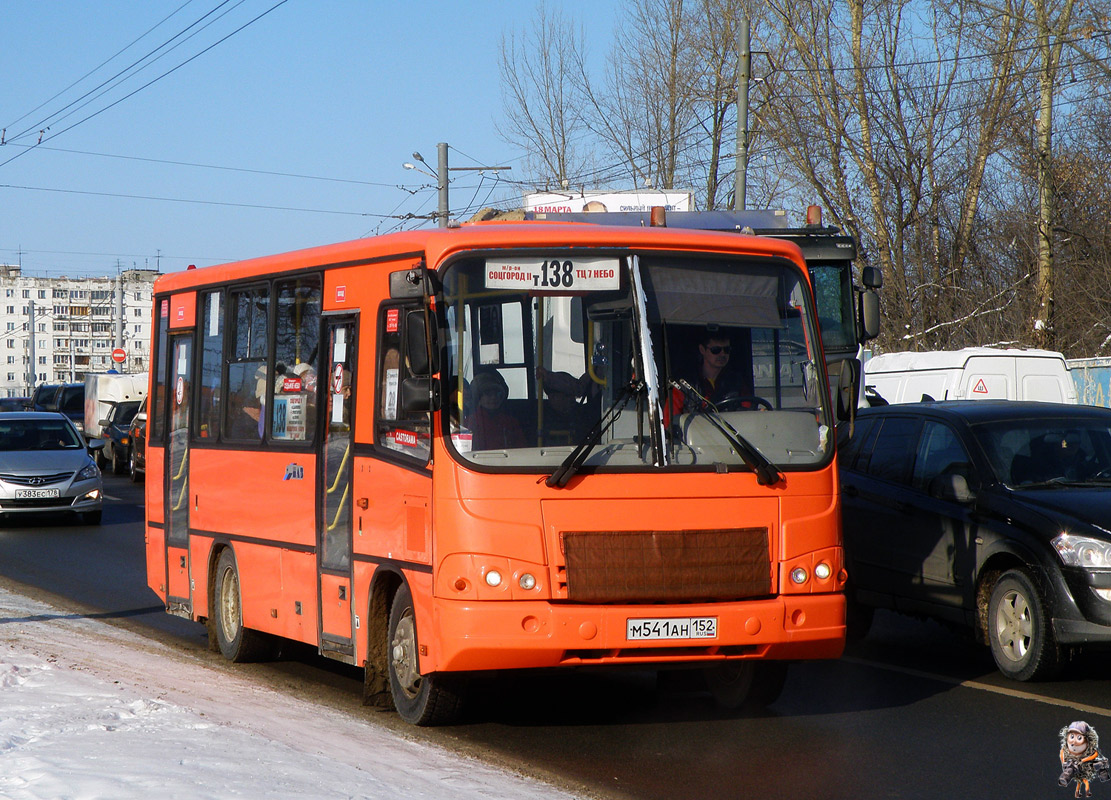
(45, 467)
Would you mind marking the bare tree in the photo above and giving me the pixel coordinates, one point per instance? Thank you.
(543, 100)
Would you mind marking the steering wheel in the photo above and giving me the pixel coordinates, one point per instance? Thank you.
(745, 402)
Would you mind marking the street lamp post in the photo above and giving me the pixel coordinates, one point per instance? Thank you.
(441, 177)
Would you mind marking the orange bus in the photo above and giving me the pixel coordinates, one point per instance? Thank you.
(497, 446)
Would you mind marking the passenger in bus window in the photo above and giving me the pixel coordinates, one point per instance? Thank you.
(492, 427)
(569, 411)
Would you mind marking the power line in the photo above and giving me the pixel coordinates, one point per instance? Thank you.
(155, 80)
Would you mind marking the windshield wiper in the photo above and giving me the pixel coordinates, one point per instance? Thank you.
(767, 474)
(575, 459)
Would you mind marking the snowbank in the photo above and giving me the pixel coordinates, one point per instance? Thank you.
(89, 711)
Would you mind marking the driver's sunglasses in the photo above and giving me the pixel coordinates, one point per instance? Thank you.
(718, 349)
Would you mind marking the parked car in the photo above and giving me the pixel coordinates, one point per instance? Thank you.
(137, 444)
(45, 467)
(989, 514)
(116, 431)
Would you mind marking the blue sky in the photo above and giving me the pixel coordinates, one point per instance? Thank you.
(338, 89)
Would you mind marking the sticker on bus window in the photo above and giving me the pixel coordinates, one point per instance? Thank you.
(389, 410)
(393, 317)
(554, 274)
(289, 417)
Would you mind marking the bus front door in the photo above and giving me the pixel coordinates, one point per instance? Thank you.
(176, 485)
(333, 536)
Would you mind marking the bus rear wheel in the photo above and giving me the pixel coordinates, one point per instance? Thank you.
(236, 642)
(433, 699)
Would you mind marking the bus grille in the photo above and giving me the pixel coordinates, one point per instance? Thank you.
(666, 566)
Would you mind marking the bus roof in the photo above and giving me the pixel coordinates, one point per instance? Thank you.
(437, 244)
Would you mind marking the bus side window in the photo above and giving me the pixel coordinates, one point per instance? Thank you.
(247, 382)
(211, 397)
(295, 351)
(407, 433)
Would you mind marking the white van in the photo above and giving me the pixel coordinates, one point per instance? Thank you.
(974, 373)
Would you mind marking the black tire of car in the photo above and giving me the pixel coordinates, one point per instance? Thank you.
(118, 465)
(236, 642)
(1019, 630)
(101, 461)
(133, 472)
(424, 700)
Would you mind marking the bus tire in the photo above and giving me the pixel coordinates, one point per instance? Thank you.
(236, 642)
(747, 685)
(730, 683)
(433, 699)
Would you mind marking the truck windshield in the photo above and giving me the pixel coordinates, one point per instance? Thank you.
(541, 349)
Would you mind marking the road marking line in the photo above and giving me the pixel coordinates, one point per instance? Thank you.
(986, 687)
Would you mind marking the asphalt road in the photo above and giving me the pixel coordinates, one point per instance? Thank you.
(913, 711)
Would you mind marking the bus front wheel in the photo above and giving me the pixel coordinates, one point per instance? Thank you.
(236, 642)
(434, 699)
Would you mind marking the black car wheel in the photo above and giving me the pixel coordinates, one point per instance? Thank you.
(133, 470)
(1019, 631)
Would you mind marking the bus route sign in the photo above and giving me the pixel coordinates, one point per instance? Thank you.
(555, 274)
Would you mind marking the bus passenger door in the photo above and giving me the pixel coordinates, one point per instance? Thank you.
(176, 483)
(333, 537)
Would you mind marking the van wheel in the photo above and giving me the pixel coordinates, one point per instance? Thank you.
(1019, 632)
(236, 642)
(433, 699)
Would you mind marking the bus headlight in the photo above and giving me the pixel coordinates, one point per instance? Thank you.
(527, 581)
(493, 578)
(822, 571)
(798, 575)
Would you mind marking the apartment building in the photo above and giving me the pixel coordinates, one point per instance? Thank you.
(76, 325)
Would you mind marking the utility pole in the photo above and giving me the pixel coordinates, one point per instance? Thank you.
(31, 376)
(744, 71)
(443, 171)
(119, 309)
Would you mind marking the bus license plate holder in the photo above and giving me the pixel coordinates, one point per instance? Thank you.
(36, 494)
(639, 629)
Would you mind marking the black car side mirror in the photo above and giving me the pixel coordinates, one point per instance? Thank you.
(952, 487)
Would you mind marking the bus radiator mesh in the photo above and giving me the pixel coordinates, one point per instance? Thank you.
(667, 566)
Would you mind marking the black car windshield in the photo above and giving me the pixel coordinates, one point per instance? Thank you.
(1048, 451)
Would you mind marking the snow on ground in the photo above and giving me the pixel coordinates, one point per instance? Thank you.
(92, 712)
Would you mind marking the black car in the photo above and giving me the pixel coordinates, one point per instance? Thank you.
(990, 514)
(116, 430)
(137, 444)
(67, 398)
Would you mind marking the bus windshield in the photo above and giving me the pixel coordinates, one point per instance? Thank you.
(643, 357)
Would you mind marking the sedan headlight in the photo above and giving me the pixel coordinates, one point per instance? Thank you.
(88, 473)
(1083, 551)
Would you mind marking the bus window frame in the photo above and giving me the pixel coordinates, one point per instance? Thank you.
(404, 305)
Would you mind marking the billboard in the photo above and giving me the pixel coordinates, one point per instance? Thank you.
(568, 202)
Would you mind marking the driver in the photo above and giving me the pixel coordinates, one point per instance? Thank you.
(714, 380)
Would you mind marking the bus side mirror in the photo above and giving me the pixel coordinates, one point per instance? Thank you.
(420, 353)
(869, 314)
(420, 395)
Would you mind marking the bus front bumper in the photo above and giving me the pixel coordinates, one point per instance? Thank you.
(518, 635)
